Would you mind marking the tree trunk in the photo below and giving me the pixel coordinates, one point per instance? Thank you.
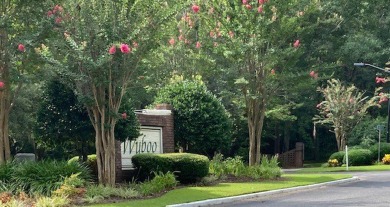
(5, 106)
(338, 139)
(105, 147)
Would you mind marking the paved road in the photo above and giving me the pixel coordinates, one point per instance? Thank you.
(373, 189)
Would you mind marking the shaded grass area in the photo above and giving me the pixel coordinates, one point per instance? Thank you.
(344, 169)
(189, 194)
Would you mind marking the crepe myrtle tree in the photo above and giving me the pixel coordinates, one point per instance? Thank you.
(343, 107)
(99, 45)
(260, 41)
(19, 32)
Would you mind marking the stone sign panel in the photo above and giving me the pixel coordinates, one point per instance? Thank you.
(150, 141)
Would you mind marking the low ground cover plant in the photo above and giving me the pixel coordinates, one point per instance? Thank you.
(267, 169)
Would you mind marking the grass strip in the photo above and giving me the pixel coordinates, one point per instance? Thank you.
(344, 169)
(190, 194)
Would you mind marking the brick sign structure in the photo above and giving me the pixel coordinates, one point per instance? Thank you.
(157, 136)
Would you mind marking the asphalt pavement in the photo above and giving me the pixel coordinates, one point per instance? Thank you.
(365, 189)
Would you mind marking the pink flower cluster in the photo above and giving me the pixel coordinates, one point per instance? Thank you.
(21, 48)
(2, 84)
(125, 48)
(56, 12)
(380, 80)
(195, 8)
(248, 6)
(383, 98)
(313, 74)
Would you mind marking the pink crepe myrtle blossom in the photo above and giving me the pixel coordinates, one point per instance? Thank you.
(21, 48)
(125, 48)
(260, 9)
(383, 99)
(198, 45)
(195, 8)
(2, 84)
(172, 41)
(380, 80)
(296, 43)
(49, 13)
(244, 1)
(112, 50)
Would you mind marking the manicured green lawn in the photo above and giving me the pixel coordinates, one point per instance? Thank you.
(344, 169)
(189, 194)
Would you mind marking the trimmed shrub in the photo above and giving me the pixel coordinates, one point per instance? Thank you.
(147, 164)
(339, 156)
(385, 149)
(358, 157)
(188, 167)
(91, 164)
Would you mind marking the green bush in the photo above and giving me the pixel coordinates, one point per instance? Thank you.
(159, 183)
(385, 149)
(358, 157)
(5, 172)
(201, 122)
(339, 156)
(268, 169)
(147, 164)
(188, 167)
(45, 176)
(91, 164)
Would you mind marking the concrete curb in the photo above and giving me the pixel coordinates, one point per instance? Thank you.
(262, 194)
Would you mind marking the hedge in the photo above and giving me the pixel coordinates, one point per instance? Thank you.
(358, 157)
(188, 167)
(385, 149)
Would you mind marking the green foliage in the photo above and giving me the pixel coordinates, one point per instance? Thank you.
(339, 156)
(201, 122)
(91, 164)
(6, 172)
(62, 123)
(385, 149)
(43, 177)
(54, 201)
(146, 164)
(230, 166)
(127, 127)
(365, 133)
(359, 157)
(268, 169)
(189, 167)
(97, 193)
(160, 182)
